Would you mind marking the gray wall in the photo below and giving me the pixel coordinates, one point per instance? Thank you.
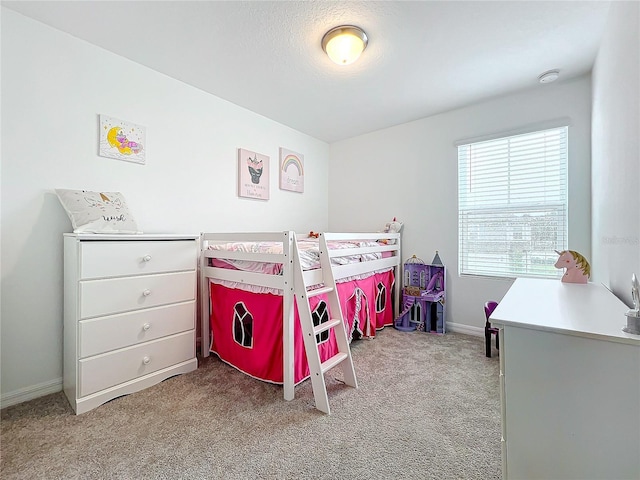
(616, 152)
(418, 162)
(54, 86)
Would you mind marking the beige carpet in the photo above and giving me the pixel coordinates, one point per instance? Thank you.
(427, 407)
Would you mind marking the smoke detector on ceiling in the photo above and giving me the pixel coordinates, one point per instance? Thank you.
(549, 76)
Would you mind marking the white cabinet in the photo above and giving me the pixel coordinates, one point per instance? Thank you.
(570, 383)
(129, 313)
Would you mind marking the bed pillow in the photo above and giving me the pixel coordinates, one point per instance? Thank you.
(97, 212)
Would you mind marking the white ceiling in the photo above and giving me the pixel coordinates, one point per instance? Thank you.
(423, 58)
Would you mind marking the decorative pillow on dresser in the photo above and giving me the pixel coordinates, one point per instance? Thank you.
(97, 212)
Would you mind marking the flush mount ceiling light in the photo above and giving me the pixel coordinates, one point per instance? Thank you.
(344, 44)
(549, 76)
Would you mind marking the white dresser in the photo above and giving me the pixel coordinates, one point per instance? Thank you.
(570, 383)
(129, 313)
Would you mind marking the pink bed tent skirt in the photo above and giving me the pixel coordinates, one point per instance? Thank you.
(247, 327)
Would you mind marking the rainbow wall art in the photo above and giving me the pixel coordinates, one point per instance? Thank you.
(122, 140)
(291, 171)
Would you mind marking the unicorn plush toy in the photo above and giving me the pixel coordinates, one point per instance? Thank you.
(577, 268)
(392, 227)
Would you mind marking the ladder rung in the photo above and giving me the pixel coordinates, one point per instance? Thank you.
(326, 326)
(333, 361)
(319, 291)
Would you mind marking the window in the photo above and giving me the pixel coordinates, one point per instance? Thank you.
(512, 201)
(381, 297)
(319, 316)
(242, 325)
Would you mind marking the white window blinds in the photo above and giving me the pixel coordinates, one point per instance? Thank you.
(512, 200)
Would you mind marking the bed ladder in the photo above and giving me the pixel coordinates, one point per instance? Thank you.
(343, 358)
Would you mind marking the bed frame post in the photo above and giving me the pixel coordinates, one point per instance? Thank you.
(288, 317)
(204, 301)
(398, 280)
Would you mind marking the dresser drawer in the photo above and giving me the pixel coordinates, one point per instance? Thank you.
(103, 334)
(120, 258)
(116, 295)
(109, 369)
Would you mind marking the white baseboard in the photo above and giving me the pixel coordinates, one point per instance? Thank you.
(29, 393)
(466, 329)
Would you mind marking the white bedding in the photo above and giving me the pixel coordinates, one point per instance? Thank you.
(308, 249)
(309, 260)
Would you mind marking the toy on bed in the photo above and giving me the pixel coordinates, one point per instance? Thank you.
(392, 227)
(423, 296)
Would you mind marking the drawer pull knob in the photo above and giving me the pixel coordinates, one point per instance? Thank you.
(146, 293)
(146, 326)
(146, 258)
(146, 360)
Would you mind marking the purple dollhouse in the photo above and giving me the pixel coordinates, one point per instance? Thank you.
(423, 296)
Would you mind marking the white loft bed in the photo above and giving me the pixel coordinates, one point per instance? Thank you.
(378, 252)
